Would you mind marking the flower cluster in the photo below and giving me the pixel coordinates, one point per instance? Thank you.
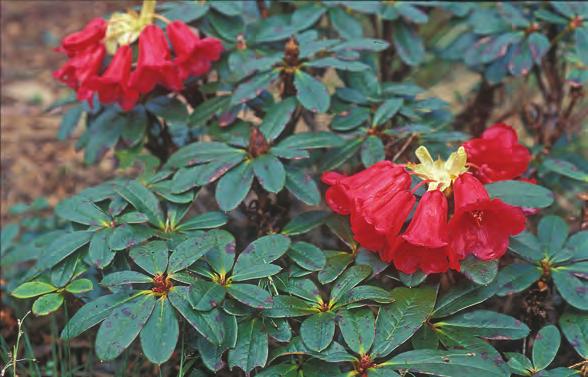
(118, 82)
(379, 200)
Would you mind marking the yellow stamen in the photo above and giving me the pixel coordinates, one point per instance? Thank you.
(125, 28)
(440, 174)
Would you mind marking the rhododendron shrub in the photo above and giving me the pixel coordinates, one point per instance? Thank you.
(294, 200)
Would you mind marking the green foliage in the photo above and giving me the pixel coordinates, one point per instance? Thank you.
(221, 255)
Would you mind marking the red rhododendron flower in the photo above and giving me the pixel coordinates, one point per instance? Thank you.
(193, 55)
(113, 86)
(381, 220)
(497, 155)
(90, 36)
(79, 69)
(345, 191)
(378, 199)
(422, 246)
(154, 65)
(481, 226)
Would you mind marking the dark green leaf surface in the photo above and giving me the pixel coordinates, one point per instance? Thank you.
(251, 349)
(311, 93)
(122, 326)
(160, 334)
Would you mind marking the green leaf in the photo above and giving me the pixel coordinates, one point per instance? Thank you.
(517, 277)
(372, 151)
(552, 232)
(305, 222)
(160, 334)
(462, 296)
(564, 167)
(387, 110)
(345, 24)
(279, 330)
(206, 323)
(253, 87)
(200, 175)
(251, 295)
(367, 293)
(206, 295)
(358, 329)
(129, 235)
(302, 186)
(571, 287)
(311, 93)
(343, 65)
(581, 37)
(99, 252)
(208, 220)
(47, 304)
(412, 280)
(317, 331)
(220, 246)
(479, 271)
(382, 371)
(574, 325)
(462, 339)
(69, 122)
(132, 218)
(363, 44)
(79, 286)
(207, 109)
(263, 250)
(338, 156)
(212, 354)
(33, 289)
(256, 272)
(251, 349)
(349, 279)
(276, 118)
(188, 252)
(143, 200)
(336, 264)
(234, 186)
(81, 210)
(65, 271)
(306, 16)
(577, 246)
(270, 172)
(521, 194)
(151, 257)
(408, 44)
(526, 246)
(545, 346)
(307, 256)
(289, 306)
(93, 313)
(350, 119)
(62, 248)
(199, 153)
(122, 326)
(487, 324)
(125, 277)
(425, 337)
(450, 363)
(397, 322)
(519, 363)
(311, 140)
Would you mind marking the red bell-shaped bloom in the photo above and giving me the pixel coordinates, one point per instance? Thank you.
(347, 192)
(193, 55)
(381, 219)
(409, 258)
(113, 85)
(154, 65)
(78, 42)
(481, 226)
(428, 227)
(497, 155)
(76, 72)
